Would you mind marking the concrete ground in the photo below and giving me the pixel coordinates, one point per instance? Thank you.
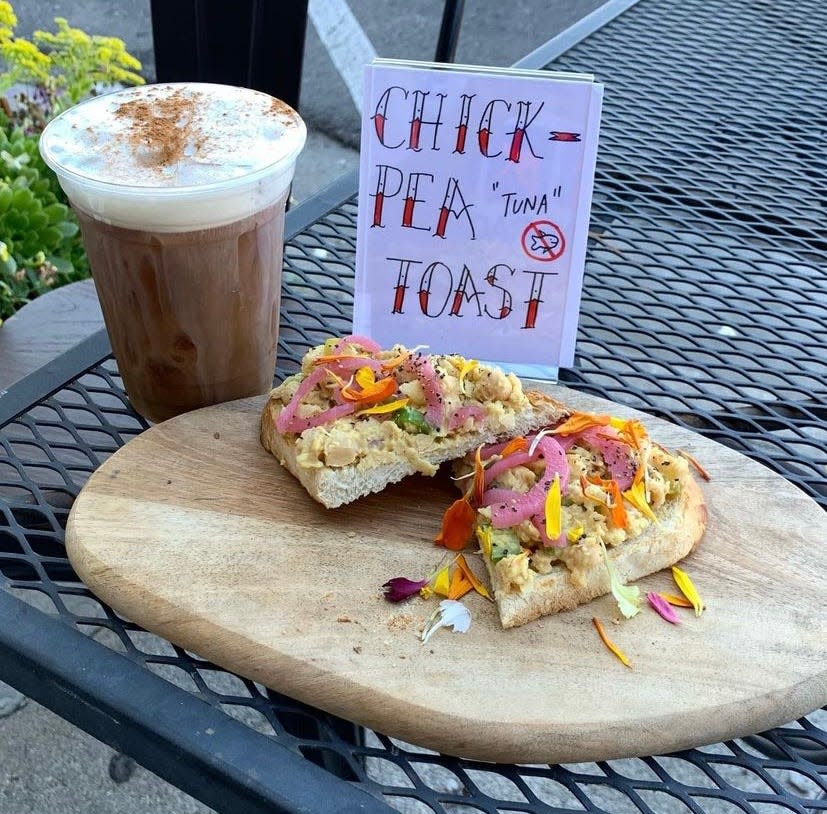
(46, 765)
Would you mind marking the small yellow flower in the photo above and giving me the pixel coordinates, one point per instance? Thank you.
(8, 19)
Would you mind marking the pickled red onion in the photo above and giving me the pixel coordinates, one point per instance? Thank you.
(492, 496)
(523, 507)
(462, 414)
(302, 424)
(288, 412)
(355, 339)
(616, 452)
(349, 364)
(539, 524)
(422, 368)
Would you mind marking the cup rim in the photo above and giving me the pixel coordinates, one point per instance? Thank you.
(298, 136)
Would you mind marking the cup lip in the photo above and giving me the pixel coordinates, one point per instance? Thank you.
(297, 134)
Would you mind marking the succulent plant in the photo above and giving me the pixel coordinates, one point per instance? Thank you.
(40, 244)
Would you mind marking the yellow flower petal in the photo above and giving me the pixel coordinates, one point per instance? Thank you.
(390, 407)
(365, 377)
(688, 589)
(467, 366)
(553, 509)
(637, 497)
(441, 583)
(484, 536)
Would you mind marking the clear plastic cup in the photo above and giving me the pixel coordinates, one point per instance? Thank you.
(180, 190)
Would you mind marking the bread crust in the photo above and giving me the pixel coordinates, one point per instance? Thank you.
(336, 486)
(678, 532)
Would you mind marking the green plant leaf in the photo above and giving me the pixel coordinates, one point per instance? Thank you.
(15, 221)
(50, 237)
(67, 228)
(40, 187)
(37, 220)
(22, 199)
(56, 212)
(63, 266)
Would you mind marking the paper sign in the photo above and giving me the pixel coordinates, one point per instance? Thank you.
(474, 198)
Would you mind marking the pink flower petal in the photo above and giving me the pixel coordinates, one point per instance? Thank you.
(662, 607)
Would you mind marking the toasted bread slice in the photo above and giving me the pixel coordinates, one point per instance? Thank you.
(532, 579)
(360, 453)
(679, 530)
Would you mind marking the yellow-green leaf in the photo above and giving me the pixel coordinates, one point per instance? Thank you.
(627, 596)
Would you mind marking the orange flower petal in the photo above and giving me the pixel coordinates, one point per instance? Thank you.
(677, 601)
(609, 643)
(695, 463)
(479, 478)
(337, 357)
(617, 511)
(457, 525)
(395, 361)
(463, 566)
(577, 422)
(518, 444)
(460, 585)
(373, 393)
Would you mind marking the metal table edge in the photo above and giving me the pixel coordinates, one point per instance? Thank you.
(170, 731)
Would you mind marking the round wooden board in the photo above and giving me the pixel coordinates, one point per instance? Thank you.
(196, 533)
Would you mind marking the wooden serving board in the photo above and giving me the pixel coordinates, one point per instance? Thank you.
(196, 533)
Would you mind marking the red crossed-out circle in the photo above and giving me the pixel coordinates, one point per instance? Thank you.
(543, 240)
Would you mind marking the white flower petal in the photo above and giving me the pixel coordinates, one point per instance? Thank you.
(450, 613)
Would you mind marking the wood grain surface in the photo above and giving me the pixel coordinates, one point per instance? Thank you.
(196, 533)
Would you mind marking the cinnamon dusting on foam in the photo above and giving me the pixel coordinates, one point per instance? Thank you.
(162, 126)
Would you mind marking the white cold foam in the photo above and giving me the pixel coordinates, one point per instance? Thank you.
(236, 156)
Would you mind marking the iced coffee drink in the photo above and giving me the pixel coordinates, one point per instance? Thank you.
(180, 190)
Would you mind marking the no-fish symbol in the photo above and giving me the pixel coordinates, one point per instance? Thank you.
(543, 240)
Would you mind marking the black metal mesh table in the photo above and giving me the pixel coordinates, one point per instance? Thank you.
(705, 303)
